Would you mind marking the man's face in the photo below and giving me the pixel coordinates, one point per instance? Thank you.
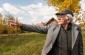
(62, 19)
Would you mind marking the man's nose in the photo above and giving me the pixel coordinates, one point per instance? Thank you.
(60, 18)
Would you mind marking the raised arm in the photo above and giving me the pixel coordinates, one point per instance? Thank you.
(31, 28)
(35, 28)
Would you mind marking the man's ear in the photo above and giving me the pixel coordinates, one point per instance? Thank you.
(68, 20)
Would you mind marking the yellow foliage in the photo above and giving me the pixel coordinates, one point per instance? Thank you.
(1, 19)
(72, 5)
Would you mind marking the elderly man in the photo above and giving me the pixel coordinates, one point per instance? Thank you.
(63, 38)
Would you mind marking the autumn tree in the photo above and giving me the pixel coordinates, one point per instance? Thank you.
(60, 5)
(8, 27)
(1, 26)
(1, 16)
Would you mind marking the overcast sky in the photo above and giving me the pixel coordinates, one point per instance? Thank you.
(30, 11)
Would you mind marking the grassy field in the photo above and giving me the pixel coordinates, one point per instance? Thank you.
(24, 44)
(28, 44)
(83, 33)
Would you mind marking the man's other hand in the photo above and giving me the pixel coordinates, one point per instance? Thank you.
(15, 23)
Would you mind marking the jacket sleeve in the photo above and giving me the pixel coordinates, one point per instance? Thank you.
(80, 43)
(35, 28)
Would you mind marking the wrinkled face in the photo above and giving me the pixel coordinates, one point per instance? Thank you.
(62, 19)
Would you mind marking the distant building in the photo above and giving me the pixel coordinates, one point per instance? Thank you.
(52, 20)
(40, 24)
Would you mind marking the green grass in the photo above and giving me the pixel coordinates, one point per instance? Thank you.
(24, 44)
(83, 33)
(30, 44)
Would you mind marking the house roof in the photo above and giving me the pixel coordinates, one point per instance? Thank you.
(52, 19)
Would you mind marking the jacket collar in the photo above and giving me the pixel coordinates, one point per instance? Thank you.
(74, 33)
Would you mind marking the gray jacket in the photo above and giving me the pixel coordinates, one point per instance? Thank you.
(52, 33)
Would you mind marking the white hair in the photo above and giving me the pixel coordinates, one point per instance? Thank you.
(70, 17)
